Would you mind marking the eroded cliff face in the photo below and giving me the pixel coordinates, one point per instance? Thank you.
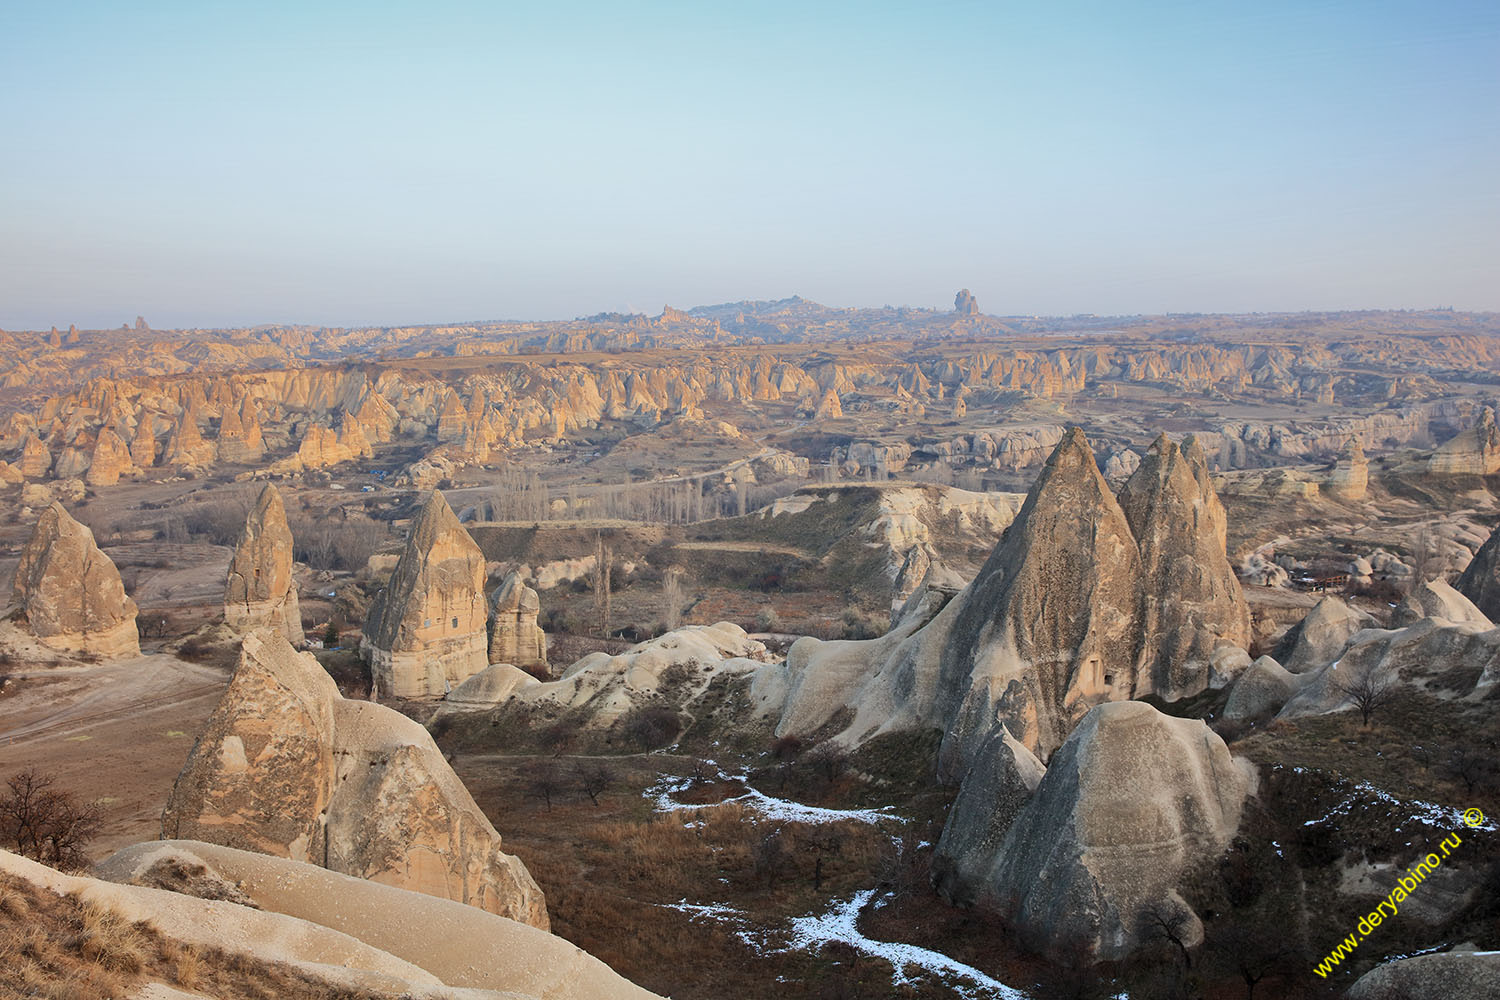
(427, 631)
(296, 419)
(71, 593)
(287, 767)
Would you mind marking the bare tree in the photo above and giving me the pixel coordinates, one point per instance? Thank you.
(1469, 765)
(45, 823)
(594, 778)
(1169, 922)
(1368, 688)
(546, 785)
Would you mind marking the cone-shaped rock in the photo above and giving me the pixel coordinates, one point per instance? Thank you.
(287, 767)
(1051, 625)
(259, 591)
(426, 631)
(515, 636)
(1192, 596)
(1128, 804)
(71, 592)
(36, 458)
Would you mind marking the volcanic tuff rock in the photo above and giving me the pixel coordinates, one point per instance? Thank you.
(260, 591)
(964, 303)
(1452, 975)
(1055, 622)
(1320, 636)
(1480, 581)
(1474, 452)
(472, 953)
(609, 686)
(36, 458)
(1052, 624)
(998, 784)
(515, 636)
(426, 631)
(1260, 690)
(287, 767)
(1128, 804)
(1193, 597)
(1435, 599)
(71, 592)
(110, 460)
(1350, 476)
(1415, 657)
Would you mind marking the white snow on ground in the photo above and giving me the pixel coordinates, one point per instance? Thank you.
(662, 795)
(842, 924)
(1427, 813)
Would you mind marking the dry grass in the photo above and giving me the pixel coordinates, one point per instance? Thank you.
(63, 948)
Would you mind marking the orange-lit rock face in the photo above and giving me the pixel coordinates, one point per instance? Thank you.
(71, 592)
(259, 591)
(427, 630)
(287, 767)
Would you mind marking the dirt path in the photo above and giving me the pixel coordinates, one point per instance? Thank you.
(113, 733)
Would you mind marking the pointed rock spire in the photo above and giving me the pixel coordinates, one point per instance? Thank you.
(1192, 596)
(71, 593)
(1051, 625)
(260, 591)
(426, 631)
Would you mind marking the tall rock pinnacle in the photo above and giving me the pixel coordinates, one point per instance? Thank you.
(259, 591)
(71, 592)
(426, 631)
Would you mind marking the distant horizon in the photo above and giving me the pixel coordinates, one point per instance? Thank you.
(650, 314)
(349, 164)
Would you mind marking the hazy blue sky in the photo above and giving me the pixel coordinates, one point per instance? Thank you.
(230, 163)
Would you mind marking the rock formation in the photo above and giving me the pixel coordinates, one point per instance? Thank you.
(996, 787)
(515, 636)
(964, 303)
(1056, 621)
(829, 407)
(1435, 599)
(1420, 657)
(1052, 624)
(1192, 596)
(1480, 581)
(1320, 636)
(1350, 476)
(426, 631)
(1127, 806)
(606, 687)
(1474, 452)
(71, 593)
(287, 767)
(1260, 690)
(260, 591)
(36, 458)
(1452, 975)
(111, 459)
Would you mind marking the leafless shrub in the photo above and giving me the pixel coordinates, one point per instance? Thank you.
(1368, 688)
(45, 823)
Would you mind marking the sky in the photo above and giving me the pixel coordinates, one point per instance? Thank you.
(228, 164)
